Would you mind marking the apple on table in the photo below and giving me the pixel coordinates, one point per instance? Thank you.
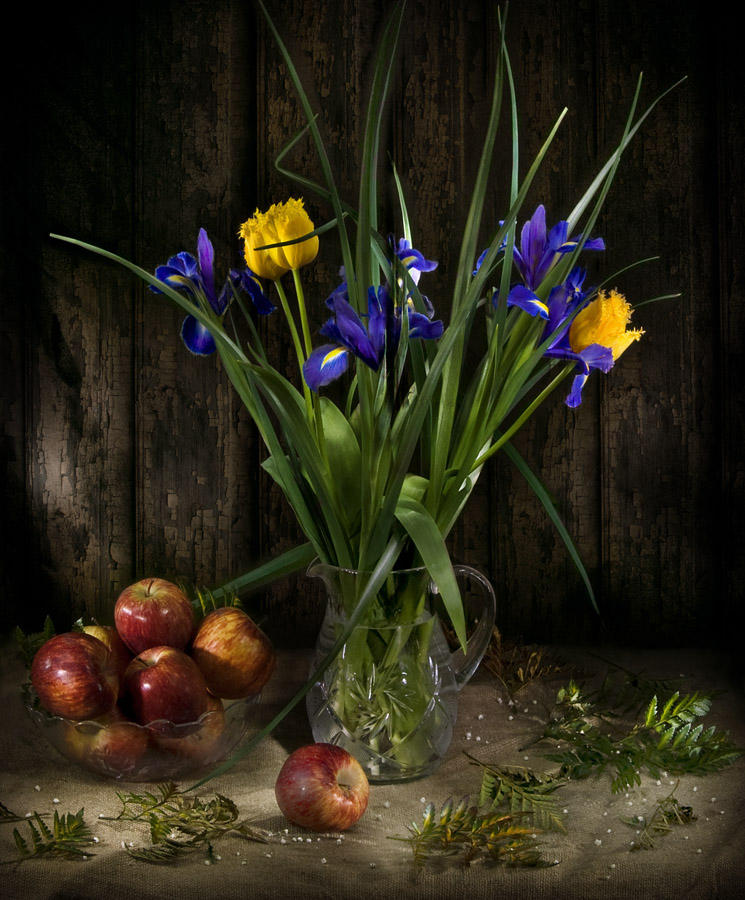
(322, 787)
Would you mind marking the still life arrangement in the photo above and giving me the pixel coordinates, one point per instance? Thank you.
(376, 447)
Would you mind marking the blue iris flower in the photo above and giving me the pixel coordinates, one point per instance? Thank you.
(538, 253)
(564, 302)
(368, 342)
(195, 277)
(414, 260)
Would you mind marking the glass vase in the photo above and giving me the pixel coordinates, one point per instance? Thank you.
(390, 697)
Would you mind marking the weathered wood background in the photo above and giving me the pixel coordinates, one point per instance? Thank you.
(133, 125)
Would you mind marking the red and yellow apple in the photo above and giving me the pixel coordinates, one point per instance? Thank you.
(165, 690)
(74, 675)
(322, 787)
(235, 656)
(112, 745)
(108, 635)
(154, 613)
(203, 745)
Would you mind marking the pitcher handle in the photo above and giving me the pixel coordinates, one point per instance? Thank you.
(465, 664)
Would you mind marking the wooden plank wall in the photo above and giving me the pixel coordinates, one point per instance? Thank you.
(123, 456)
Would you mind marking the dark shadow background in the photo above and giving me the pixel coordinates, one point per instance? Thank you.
(134, 126)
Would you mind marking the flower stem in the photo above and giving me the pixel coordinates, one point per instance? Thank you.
(298, 348)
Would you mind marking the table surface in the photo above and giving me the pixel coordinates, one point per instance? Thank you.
(704, 859)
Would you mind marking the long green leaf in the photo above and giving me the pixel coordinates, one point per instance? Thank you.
(542, 494)
(423, 531)
(285, 564)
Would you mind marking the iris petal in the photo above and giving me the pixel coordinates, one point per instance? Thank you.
(324, 365)
(197, 338)
(527, 301)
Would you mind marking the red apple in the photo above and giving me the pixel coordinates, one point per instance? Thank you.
(322, 787)
(75, 676)
(154, 613)
(235, 656)
(108, 635)
(112, 745)
(165, 690)
(203, 745)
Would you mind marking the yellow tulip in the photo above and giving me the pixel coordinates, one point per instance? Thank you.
(281, 222)
(604, 322)
(292, 221)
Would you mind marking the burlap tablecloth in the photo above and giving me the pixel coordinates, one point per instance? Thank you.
(703, 860)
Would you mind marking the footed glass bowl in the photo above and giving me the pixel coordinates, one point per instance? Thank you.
(116, 747)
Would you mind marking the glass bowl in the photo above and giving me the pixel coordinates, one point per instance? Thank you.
(116, 747)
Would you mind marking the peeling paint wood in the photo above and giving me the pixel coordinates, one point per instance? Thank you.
(124, 456)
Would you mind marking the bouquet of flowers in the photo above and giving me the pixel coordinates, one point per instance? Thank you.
(378, 467)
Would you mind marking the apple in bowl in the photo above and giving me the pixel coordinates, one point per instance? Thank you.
(154, 613)
(235, 656)
(165, 691)
(322, 787)
(75, 676)
(111, 745)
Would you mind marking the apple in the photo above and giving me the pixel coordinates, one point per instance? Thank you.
(165, 690)
(235, 656)
(112, 745)
(322, 787)
(203, 745)
(154, 613)
(74, 675)
(108, 635)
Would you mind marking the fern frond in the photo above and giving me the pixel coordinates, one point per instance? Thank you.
(69, 837)
(521, 790)
(465, 832)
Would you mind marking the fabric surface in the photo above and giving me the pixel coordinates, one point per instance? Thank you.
(703, 860)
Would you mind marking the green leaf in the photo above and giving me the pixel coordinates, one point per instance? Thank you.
(423, 531)
(287, 563)
(542, 494)
(344, 457)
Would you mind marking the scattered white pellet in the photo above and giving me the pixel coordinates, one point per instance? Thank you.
(323, 860)
(480, 717)
(37, 787)
(372, 865)
(387, 804)
(422, 799)
(598, 842)
(56, 800)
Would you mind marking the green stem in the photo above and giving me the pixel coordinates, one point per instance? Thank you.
(300, 294)
(298, 347)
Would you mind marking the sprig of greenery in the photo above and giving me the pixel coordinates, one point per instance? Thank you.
(520, 790)
(669, 812)
(665, 739)
(30, 643)
(68, 838)
(463, 831)
(180, 825)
